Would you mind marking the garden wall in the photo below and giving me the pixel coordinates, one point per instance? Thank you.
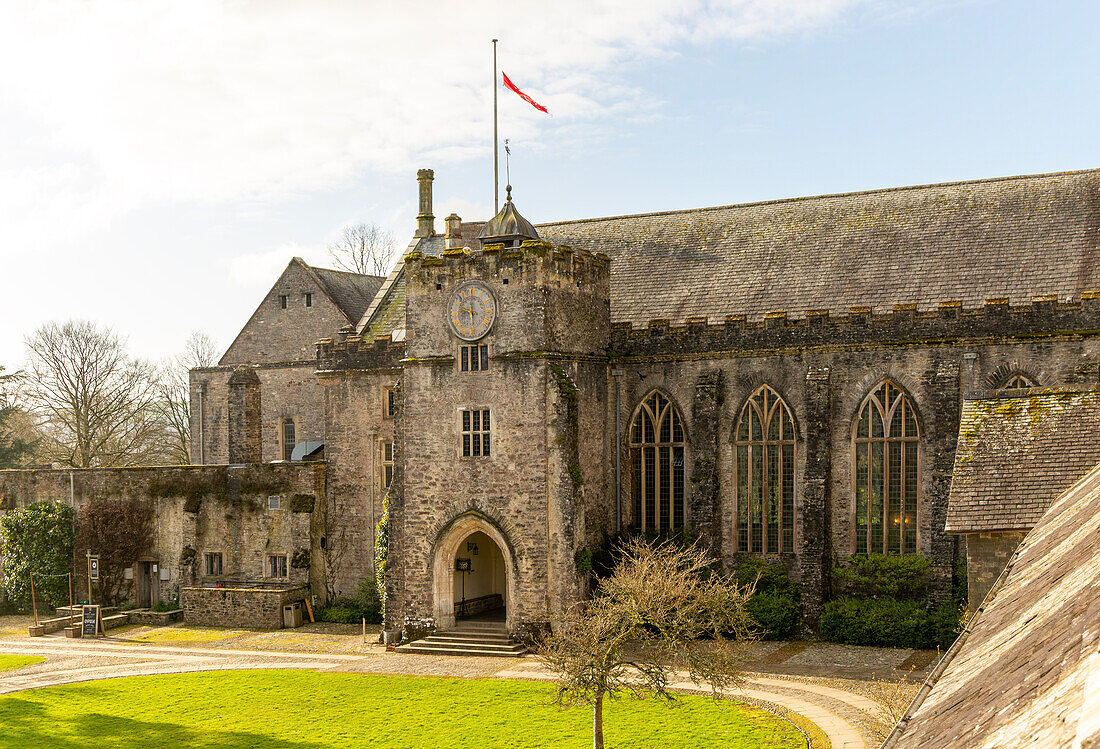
(200, 510)
(240, 606)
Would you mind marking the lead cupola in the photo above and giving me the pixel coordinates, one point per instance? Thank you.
(507, 227)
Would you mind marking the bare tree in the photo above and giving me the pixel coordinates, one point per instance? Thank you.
(646, 625)
(363, 248)
(120, 531)
(97, 405)
(174, 393)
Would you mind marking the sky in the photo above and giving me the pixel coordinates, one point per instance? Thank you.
(161, 162)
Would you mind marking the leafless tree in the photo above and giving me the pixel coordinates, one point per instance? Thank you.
(18, 433)
(662, 612)
(174, 393)
(363, 248)
(97, 405)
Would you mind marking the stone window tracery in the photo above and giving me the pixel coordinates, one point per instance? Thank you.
(886, 474)
(1017, 381)
(764, 465)
(657, 448)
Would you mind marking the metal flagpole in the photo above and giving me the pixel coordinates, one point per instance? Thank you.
(496, 167)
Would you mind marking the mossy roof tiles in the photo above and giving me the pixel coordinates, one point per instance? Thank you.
(1013, 238)
(1017, 454)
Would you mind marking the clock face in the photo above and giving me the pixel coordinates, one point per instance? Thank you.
(473, 310)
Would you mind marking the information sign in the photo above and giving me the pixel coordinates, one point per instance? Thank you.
(93, 568)
(90, 622)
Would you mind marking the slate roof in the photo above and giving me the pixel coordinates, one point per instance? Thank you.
(1017, 454)
(1027, 672)
(1010, 238)
(352, 292)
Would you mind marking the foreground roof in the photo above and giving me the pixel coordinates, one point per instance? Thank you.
(1011, 238)
(1028, 672)
(1017, 454)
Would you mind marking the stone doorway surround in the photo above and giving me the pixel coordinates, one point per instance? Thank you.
(443, 564)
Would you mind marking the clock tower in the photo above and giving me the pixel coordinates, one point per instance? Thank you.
(502, 431)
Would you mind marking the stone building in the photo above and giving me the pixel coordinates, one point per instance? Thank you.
(781, 379)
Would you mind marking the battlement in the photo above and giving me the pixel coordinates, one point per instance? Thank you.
(996, 319)
(536, 261)
(351, 351)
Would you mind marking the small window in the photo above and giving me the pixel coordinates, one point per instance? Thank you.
(276, 565)
(289, 440)
(274, 502)
(1017, 381)
(282, 301)
(474, 358)
(387, 464)
(213, 561)
(389, 405)
(475, 433)
(309, 299)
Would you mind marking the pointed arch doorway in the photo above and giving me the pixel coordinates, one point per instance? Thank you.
(473, 573)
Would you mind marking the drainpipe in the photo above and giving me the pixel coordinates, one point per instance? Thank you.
(618, 375)
(72, 494)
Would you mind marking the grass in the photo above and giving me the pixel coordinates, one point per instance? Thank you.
(307, 710)
(8, 662)
(180, 634)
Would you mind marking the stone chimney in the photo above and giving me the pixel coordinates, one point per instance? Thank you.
(425, 221)
(244, 416)
(454, 232)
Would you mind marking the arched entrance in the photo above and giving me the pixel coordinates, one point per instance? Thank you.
(473, 573)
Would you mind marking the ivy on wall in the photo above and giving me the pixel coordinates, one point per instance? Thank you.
(382, 551)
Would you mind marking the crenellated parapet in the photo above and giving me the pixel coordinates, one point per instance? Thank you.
(350, 351)
(534, 261)
(1045, 316)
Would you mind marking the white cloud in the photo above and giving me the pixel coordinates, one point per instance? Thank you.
(119, 105)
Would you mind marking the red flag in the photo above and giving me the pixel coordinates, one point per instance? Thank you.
(525, 97)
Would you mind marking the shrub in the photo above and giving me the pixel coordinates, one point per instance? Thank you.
(38, 539)
(770, 575)
(945, 623)
(903, 577)
(776, 613)
(884, 622)
(346, 610)
(340, 615)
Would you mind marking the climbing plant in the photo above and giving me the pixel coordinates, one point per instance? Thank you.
(39, 539)
(382, 551)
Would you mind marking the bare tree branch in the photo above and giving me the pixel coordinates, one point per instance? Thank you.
(363, 248)
(663, 612)
(173, 387)
(97, 405)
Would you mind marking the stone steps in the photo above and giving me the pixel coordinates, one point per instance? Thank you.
(471, 639)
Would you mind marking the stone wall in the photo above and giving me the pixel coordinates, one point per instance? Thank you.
(823, 368)
(239, 606)
(200, 509)
(986, 557)
(287, 390)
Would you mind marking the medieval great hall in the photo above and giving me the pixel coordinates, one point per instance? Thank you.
(783, 379)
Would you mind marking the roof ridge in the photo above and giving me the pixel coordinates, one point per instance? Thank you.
(822, 196)
(344, 272)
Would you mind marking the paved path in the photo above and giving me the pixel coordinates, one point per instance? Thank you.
(845, 716)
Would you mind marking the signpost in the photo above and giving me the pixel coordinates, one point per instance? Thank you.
(93, 572)
(91, 623)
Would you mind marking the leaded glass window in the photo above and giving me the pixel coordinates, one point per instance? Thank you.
(657, 460)
(887, 474)
(765, 445)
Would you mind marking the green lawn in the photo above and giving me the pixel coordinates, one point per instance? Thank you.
(8, 662)
(299, 709)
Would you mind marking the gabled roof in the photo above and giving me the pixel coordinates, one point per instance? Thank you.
(1010, 238)
(352, 292)
(1026, 673)
(1017, 454)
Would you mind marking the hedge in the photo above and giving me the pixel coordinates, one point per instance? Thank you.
(889, 623)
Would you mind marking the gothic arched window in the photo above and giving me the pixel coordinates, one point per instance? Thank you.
(657, 460)
(887, 474)
(764, 443)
